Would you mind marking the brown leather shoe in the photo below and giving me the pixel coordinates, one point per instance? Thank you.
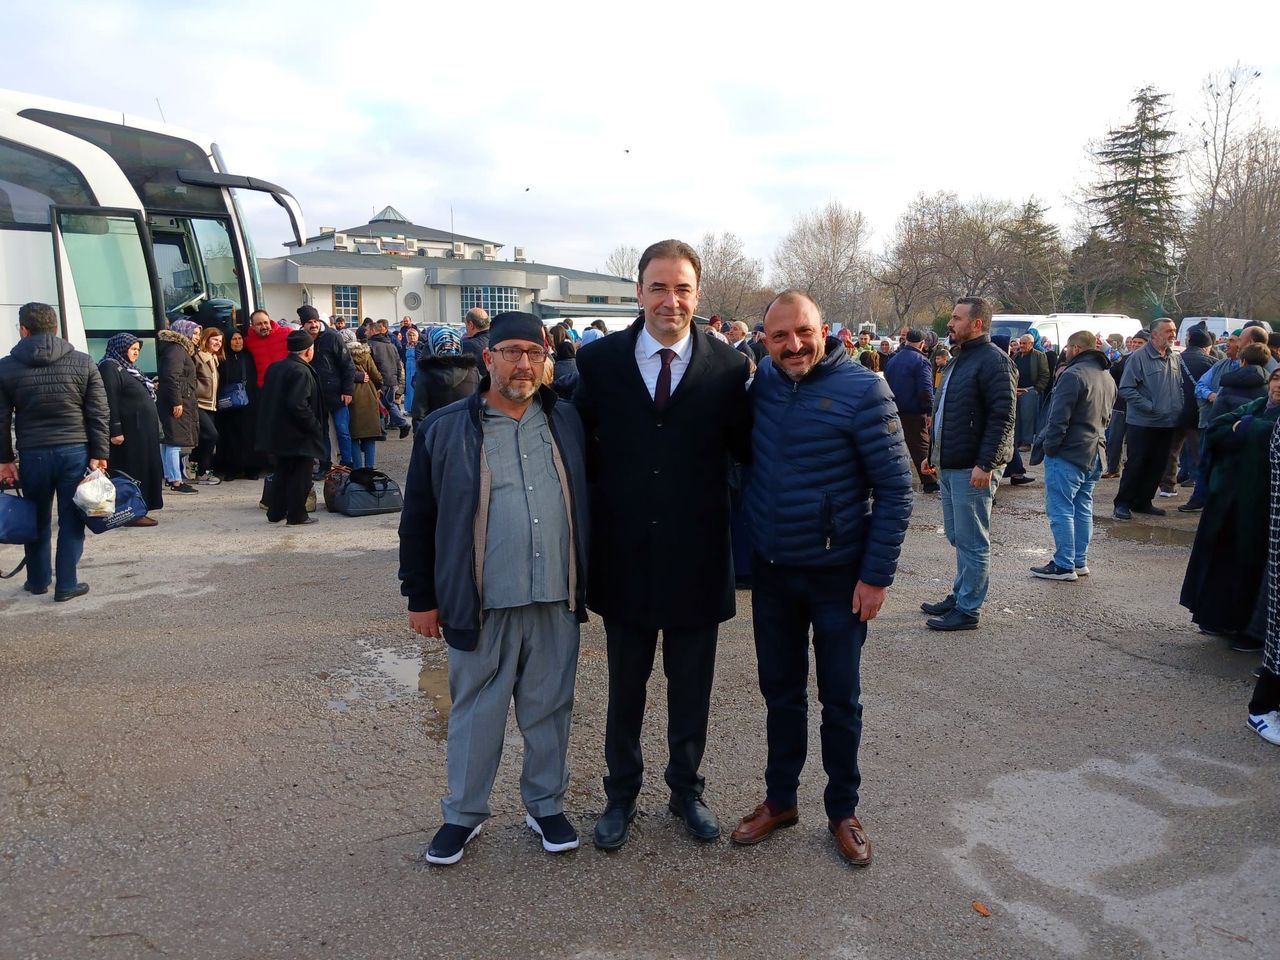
(143, 522)
(760, 822)
(851, 840)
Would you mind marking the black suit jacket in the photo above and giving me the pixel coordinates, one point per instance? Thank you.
(660, 552)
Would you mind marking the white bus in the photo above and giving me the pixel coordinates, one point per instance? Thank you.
(119, 222)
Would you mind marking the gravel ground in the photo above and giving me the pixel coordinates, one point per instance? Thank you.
(234, 747)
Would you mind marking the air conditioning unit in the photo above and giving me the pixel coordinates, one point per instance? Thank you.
(459, 249)
(328, 229)
(488, 251)
(519, 255)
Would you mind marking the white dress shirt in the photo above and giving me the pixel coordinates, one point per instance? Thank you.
(650, 363)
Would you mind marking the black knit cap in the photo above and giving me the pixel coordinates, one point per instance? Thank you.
(307, 312)
(1198, 337)
(514, 325)
(298, 341)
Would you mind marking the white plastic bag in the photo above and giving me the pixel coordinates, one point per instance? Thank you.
(96, 495)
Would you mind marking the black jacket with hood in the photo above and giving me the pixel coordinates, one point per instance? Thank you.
(53, 394)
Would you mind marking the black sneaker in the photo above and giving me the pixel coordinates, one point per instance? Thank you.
(1021, 479)
(556, 831)
(1121, 512)
(1190, 507)
(1150, 511)
(1051, 571)
(182, 487)
(446, 846)
(1245, 644)
(943, 606)
(405, 431)
(955, 620)
(62, 596)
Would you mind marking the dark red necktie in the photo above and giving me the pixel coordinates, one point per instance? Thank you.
(662, 389)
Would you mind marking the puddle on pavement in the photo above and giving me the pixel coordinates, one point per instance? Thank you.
(1132, 532)
(399, 676)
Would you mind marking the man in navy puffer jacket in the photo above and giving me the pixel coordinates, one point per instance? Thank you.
(828, 506)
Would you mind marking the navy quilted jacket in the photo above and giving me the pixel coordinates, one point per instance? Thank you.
(831, 481)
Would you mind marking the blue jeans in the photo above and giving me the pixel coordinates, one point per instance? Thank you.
(785, 602)
(966, 518)
(1068, 501)
(363, 452)
(394, 413)
(171, 458)
(342, 427)
(46, 472)
(1025, 424)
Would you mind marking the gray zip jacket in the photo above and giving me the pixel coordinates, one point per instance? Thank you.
(1152, 388)
(1079, 410)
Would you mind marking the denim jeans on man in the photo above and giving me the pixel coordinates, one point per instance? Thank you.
(341, 418)
(966, 518)
(785, 600)
(1068, 501)
(45, 473)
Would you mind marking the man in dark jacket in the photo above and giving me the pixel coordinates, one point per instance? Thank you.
(1153, 391)
(387, 358)
(664, 410)
(291, 429)
(493, 555)
(476, 341)
(338, 376)
(910, 377)
(1033, 381)
(52, 396)
(1185, 448)
(1073, 440)
(1118, 426)
(828, 503)
(972, 440)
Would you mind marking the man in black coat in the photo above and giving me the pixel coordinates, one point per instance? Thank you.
(476, 341)
(665, 411)
(337, 374)
(291, 429)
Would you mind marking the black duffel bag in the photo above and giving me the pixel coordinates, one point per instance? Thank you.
(364, 492)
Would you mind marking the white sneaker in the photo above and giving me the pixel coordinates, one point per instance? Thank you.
(1168, 493)
(1266, 725)
(1082, 571)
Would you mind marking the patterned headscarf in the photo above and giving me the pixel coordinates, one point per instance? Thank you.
(444, 342)
(118, 351)
(188, 328)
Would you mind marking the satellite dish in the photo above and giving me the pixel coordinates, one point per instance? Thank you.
(412, 301)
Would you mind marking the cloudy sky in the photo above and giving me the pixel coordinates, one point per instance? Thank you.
(569, 128)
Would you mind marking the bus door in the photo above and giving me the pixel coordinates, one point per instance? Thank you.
(104, 273)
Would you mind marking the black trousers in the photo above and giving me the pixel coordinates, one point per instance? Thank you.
(1148, 457)
(203, 453)
(287, 495)
(688, 660)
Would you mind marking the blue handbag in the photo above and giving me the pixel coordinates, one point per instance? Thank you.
(233, 396)
(130, 505)
(17, 525)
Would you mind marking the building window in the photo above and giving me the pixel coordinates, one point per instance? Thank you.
(591, 299)
(346, 302)
(493, 300)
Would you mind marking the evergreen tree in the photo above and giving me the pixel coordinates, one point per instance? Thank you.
(1034, 265)
(1136, 204)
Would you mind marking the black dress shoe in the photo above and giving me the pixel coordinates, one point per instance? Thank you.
(698, 819)
(1121, 512)
(955, 620)
(1149, 511)
(79, 590)
(1021, 479)
(945, 605)
(35, 591)
(614, 825)
(301, 523)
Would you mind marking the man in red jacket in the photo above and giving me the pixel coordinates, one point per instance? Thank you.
(266, 341)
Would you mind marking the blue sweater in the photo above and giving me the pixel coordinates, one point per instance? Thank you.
(831, 479)
(910, 376)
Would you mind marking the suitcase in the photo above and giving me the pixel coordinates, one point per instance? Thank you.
(364, 493)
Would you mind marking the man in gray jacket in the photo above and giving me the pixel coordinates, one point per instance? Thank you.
(1154, 399)
(55, 395)
(493, 557)
(1073, 440)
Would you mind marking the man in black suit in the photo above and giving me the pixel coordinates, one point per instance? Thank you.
(665, 410)
(291, 429)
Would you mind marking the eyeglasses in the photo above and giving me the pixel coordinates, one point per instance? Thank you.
(513, 354)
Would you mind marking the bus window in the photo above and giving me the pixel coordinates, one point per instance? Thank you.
(178, 283)
(30, 182)
(109, 269)
(214, 243)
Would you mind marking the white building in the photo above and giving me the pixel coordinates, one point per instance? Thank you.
(391, 268)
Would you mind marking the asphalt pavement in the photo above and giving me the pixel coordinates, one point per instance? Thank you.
(233, 747)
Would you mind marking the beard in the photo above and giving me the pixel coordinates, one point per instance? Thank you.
(518, 391)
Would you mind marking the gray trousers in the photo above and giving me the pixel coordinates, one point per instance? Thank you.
(528, 653)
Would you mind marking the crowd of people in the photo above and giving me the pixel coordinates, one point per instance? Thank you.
(782, 450)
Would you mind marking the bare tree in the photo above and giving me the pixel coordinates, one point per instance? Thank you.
(730, 278)
(825, 255)
(905, 270)
(623, 262)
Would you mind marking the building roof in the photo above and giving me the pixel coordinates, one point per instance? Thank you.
(387, 261)
(390, 222)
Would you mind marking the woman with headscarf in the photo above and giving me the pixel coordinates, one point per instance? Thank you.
(235, 419)
(208, 355)
(412, 345)
(1226, 570)
(445, 373)
(1264, 706)
(176, 399)
(365, 407)
(135, 425)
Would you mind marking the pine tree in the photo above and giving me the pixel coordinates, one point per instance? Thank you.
(1136, 203)
(1033, 263)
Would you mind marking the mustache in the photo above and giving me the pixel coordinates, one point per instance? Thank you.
(788, 355)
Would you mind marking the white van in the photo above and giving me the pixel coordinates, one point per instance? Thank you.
(611, 324)
(1059, 327)
(1217, 326)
